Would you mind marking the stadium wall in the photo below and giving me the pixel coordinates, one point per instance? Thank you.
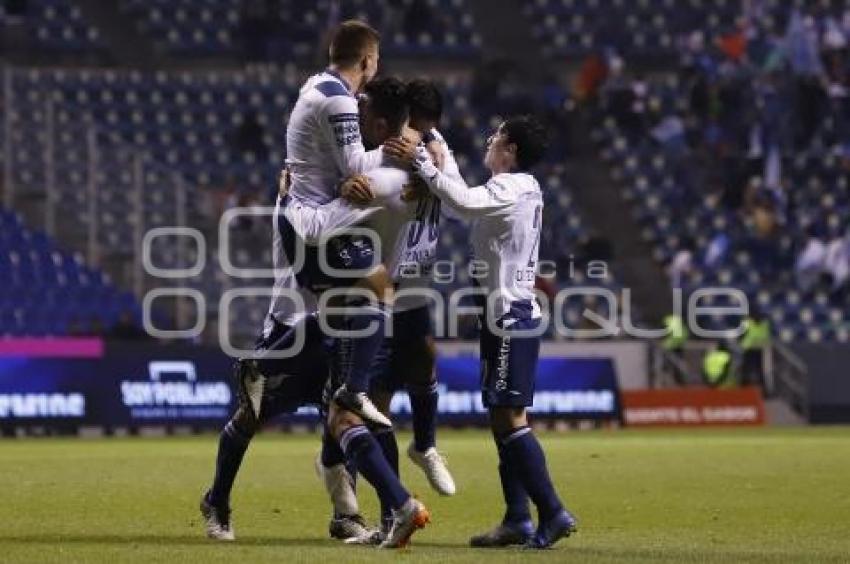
(829, 384)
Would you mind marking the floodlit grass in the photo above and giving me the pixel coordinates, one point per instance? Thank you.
(710, 496)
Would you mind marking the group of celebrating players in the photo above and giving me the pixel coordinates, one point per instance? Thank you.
(356, 227)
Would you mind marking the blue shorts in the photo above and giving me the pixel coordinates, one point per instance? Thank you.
(296, 381)
(343, 252)
(407, 350)
(509, 366)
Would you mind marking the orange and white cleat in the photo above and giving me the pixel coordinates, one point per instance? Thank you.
(412, 516)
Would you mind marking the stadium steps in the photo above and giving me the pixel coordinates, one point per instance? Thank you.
(599, 199)
(126, 45)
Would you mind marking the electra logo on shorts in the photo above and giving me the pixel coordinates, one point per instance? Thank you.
(502, 367)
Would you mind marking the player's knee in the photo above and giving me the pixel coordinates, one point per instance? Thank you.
(340, 419)
(505, 419)
(244, 421)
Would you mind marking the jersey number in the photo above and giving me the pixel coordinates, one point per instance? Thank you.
(538, 212)
(425, 218)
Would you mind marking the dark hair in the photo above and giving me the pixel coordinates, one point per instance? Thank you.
(530, 137)
(425, 100)
(350, 41)
(388, 99)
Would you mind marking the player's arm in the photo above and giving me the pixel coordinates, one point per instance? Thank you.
(351, 208)
(434, 144)
(342, 125)
(467, 202)
(449, 167)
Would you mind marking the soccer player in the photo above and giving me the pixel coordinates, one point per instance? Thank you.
(269, 386)
(412, 338)
(406, 358)
(324, 146)
(505, 237)
(259, 377)
(384, 113)
(289, 384)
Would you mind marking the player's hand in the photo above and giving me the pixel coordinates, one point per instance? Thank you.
(423, 166)
(401, 150)
(435, 149)
(357, 190)
(416, 190)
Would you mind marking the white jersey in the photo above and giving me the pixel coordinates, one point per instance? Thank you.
(450, 167)
(415, 270)
(282, 307)
(409, 232)
(323, 143)
(506, 213)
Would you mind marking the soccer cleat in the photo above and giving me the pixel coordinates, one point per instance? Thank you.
(251, 384)
(373, 537)
(504, 534)
(360, 404)
(549, 532)
(345, 527)
(412, 516)
(434, 466)
(217, 521)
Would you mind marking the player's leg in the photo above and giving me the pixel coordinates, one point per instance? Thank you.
(516, 526)
(339, 480)
(367, 311)
(367, 308)
(346, 523)
(262, 394)
(523, 459)
(232, 444)
(416, 358)
(360, 447)
(509, 365)
(385, 436)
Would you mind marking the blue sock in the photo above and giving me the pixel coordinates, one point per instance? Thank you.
(360, 446)
(389, 446)
(331, 453)
(232, 445)
(524, 456)
(516, 498)
(355, 354)
(423, 405)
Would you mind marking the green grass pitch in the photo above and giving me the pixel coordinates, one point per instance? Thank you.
(763, 495)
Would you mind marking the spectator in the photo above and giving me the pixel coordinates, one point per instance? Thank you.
(717, 366)
(717, 249)
(811, 262)
(837, 262)
(682, 263)
(753, 342)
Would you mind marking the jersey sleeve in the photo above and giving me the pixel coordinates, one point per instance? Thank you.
(342, 125)
(467, 202)
(314, 223)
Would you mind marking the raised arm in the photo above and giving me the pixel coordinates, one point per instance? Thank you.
(467, 202)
